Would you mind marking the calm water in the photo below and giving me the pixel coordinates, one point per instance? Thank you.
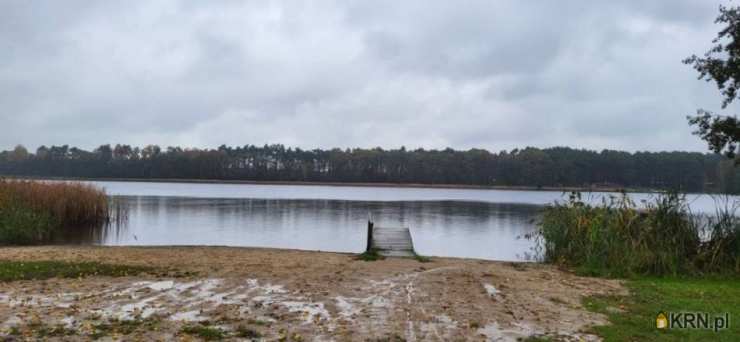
(487, 224)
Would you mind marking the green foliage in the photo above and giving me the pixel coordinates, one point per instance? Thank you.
(205, 332)
(123, 327)
(722, 133)
(530, 167)
(720, 64)
(20, 225)
(618, 239)
(244, 332)
(421, 258)
(39, 270)
(535, 338)
(720, 251)
(58, 330)
(632, 318)
(370, 255)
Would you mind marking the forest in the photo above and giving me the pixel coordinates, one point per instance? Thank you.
(528, 167)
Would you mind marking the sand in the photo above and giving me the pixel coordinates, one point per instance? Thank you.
(300, 295)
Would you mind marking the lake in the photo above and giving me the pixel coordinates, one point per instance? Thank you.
(471, 223)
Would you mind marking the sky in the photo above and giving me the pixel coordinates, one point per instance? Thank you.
(320, 74)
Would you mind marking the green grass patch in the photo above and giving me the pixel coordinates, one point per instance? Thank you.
(54, 331)
(370, 255)
(633, 317)
(205, 332)
(536, 339)
(39, 270)
(421, 258)
(126, 326)
(99, 330)
(14, 331)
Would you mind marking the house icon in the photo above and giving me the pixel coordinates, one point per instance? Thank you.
(661, 322)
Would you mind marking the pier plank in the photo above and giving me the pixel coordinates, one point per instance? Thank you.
(392, 241)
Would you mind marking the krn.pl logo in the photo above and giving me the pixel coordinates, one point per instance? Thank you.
(661, 322)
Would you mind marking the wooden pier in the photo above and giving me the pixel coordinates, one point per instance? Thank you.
(390, 241)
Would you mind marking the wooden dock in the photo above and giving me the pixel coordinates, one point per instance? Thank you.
(390, 241)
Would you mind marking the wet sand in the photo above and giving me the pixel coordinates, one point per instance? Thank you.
(303, 295)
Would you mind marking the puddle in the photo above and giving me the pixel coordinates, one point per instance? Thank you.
(346, 309)
(494, 332)
(491, 290)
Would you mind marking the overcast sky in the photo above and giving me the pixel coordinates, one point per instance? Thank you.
(432, 74)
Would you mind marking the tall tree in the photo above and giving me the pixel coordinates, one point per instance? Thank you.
(552, 167)
(19, 153)
(721, 64)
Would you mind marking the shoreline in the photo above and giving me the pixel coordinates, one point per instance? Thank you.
(260, 249)
(342, 184)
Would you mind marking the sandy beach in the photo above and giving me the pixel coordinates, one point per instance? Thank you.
(299, 295)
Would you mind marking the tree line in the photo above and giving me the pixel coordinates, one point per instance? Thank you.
(532, 167)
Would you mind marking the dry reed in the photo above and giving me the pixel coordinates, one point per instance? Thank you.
(30, 211)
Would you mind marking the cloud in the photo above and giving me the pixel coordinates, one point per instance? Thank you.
(495, 75)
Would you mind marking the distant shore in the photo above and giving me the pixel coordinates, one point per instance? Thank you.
(345, 184)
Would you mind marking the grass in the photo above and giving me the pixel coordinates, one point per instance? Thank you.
(39, 270)
(620, 239)
(535, 339)
(421, 258)
(370, 255)
(14, 331)
(97, 331)
(22, 225)
(674, 262)
(32, 211)
(54, 331)
(205, 332)
(125, 326)
(632, 318)
(373, 255)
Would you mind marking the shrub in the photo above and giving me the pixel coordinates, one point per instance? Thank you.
(617, 238)
(45, 269)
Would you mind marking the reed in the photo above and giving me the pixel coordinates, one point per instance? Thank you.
(618, 238)
(32, 211)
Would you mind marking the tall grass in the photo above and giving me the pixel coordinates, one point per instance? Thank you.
(619, 238)
(721, 250)
(32, 211)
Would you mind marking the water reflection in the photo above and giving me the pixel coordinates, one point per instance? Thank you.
(442, 228)
(698, 202)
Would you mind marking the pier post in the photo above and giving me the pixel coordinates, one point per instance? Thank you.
(369, 235)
